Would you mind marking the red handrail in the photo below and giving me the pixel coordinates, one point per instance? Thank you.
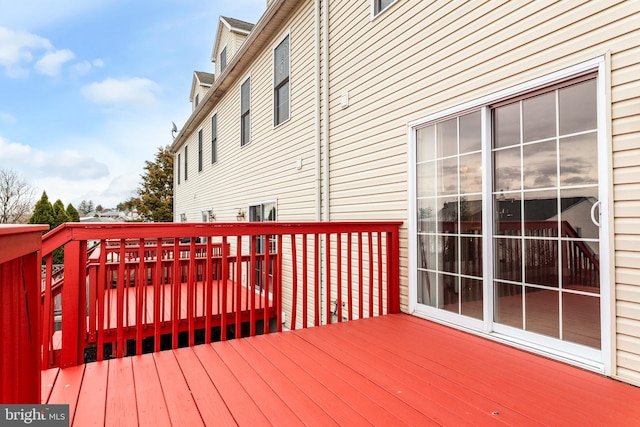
(143, 284)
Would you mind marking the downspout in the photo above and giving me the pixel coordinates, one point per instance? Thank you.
(318, 131)
(325, 110)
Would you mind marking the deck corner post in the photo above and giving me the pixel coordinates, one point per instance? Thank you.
(71, 307)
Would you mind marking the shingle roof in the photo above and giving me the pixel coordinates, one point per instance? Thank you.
(205, 78)
(238, 24)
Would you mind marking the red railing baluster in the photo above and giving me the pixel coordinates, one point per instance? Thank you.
(294, 282)
(208, 311)
(141, 285)
(102, 286)
(349, 279)
(176, 285)
(267, 268)
(278, 284)
(252, 280)
(305, 285)
(327, 251)
(339, 278)
(238, 287)
(316, 280)
(380, 304)
(360, 279)
(371, 266)
(120, 299)
(224, 283)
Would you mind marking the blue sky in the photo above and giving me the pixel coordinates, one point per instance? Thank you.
(88, 88)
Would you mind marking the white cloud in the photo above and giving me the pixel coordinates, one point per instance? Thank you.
(70, 165)
(51, 63)
(122, 92)
(17, 51)
(7, 118)
(84, 67)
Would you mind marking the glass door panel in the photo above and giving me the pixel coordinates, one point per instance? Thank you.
(546, 237)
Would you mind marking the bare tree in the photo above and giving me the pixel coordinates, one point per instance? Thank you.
(16, 198)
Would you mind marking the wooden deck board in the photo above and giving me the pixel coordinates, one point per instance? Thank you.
(180, 403)
(67, 387)
(283, 385)
(212, 407)
(90, 410)
(152, 408)
(121, 408)
(48, 379)
(392, 370)
(273, 408)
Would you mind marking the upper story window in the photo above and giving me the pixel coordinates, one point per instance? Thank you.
(200, 150)
(214, 138)
(245, 112)
(380, 5)
(223, 59)
(185, 162)
(281, 82)
(197, 101)
(179, 162)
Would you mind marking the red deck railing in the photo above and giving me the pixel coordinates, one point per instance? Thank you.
(132, 288)
(19, 316)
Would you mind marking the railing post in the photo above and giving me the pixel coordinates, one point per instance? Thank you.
(20, 323)
(72, 310)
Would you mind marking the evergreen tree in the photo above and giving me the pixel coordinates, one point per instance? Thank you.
(155, 196)
(74, 216)
(43, 212)
(60, 215)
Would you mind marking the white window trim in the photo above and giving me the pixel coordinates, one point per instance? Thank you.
(587, 359)
(273, 51)
(372, 8)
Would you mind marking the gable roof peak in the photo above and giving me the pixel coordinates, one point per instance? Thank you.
(237, 25)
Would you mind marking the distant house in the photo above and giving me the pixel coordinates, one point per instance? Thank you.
(505, 135)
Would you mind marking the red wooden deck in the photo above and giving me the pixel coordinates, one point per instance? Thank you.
(389, 370)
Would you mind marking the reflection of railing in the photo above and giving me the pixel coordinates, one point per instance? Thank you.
(147, 287)
(463, 254)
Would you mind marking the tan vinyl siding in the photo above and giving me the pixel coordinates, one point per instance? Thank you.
(413, 60)
(625, 90)
(419, 58)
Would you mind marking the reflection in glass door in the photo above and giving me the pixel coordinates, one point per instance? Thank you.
(545, 197)
(541, 219)
(449, 158)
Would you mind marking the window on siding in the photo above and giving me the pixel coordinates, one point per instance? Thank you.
(179, 160)
(197, 99)
(223, 59)
(200, 150)
(185, 162)
(214, 138)
(245, 112)
(281, 82)
(380, 5)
